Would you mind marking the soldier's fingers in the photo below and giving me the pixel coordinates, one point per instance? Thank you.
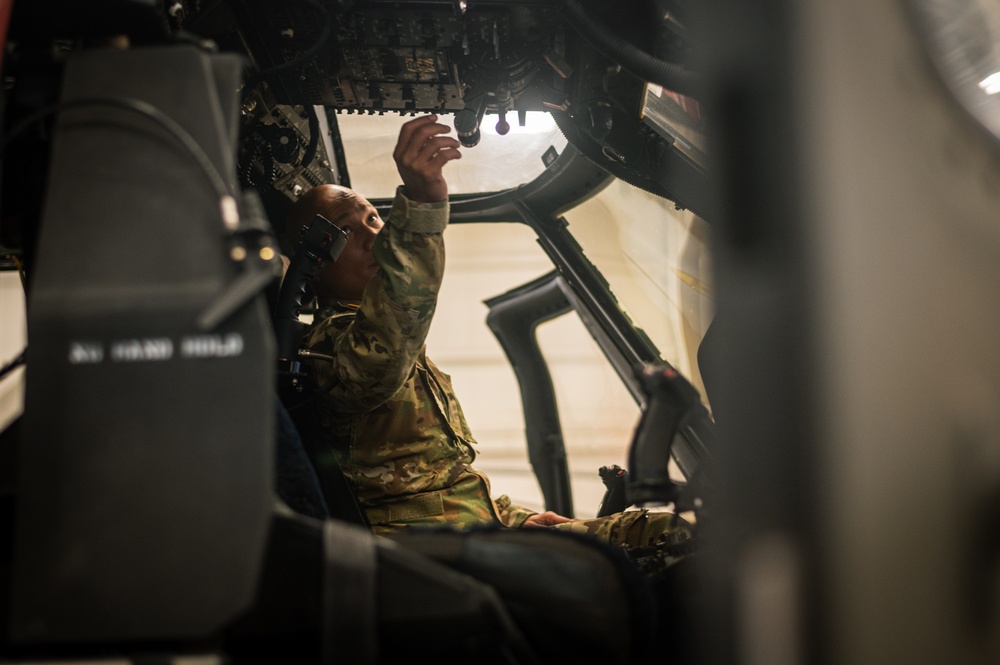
(420, 135)
(413, 129)
(442, 157)
(434, 145)
(408, 130)
(419, 160)
(548, 518)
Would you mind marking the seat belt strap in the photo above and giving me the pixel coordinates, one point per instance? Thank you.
(349, 632)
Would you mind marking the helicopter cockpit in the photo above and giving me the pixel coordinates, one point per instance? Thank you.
(745, 252)
(221, 115)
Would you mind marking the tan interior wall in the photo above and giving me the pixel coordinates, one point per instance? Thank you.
(13, 336)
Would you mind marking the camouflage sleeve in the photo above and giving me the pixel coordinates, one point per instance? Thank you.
(376, 349)
(511, 515)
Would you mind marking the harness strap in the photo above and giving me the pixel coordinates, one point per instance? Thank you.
(349, 588)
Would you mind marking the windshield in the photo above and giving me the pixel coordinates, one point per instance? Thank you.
(654, 258)
(656, 261)
(497, 163)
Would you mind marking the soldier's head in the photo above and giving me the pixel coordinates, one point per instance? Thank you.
(346, 278)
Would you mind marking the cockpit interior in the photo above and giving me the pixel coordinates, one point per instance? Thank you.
(734, 261)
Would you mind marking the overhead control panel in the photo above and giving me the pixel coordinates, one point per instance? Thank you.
(588, 63)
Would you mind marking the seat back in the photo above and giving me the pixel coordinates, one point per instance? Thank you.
(145, 458)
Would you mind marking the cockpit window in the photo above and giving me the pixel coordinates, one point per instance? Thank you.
(656, 261)
(497, 163)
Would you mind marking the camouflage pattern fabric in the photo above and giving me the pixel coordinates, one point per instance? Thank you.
(391, 415)
(512, 515)
(633, 528)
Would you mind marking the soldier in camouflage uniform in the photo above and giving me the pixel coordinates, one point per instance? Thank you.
(390, 413)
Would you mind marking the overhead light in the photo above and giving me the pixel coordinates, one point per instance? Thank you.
(991, 84)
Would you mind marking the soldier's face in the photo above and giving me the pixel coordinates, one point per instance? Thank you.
(347, 277)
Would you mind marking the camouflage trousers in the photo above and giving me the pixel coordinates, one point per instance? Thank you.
(632, 528)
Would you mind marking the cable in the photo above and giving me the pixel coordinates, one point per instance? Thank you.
(206, 10)
(310, 153)
(304, 353)
(641, 64)
(142, 108)
(300, 59)
(227, 199)
(13, 364)
(20, 271)
(311, 52)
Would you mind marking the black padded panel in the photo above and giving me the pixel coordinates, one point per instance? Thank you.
(144, 480)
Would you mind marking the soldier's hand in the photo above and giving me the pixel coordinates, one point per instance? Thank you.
(548, 518)
(421, 153)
